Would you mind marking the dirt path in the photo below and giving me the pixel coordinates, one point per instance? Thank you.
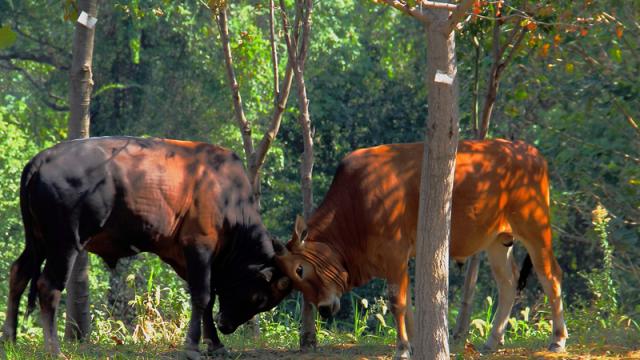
(355, 352)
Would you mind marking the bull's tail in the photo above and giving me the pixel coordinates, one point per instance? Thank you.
(32, 247)
(525, 271)
(33, 292)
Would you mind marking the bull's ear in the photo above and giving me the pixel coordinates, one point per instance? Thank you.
(301, 231)
(283, 283)
(267, 273)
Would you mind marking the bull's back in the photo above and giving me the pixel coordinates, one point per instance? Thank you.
(130, 194)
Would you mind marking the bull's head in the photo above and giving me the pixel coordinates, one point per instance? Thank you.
(260, 289)
(315, 269)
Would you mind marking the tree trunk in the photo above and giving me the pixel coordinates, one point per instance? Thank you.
(78, 322)
(297, 57)
(120, 292)
(464, 316)
(81, 84)
(255, 156)
(436, 187)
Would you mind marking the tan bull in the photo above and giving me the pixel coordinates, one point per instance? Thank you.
(366, 228)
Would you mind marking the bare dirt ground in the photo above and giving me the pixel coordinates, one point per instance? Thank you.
(359, 352)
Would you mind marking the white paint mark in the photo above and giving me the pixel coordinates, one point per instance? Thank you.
(87, 20)
(444, 78)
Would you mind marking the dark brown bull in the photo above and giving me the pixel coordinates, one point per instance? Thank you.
(188, 202)
(366, 228)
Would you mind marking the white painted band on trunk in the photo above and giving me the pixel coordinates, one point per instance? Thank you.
(87, 20)
(444, 78)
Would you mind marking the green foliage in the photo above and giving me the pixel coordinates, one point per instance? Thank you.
(600, 281)
(7, 37)
(17, 147)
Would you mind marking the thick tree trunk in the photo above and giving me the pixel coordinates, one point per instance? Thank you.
(81, 84)
(436, 186)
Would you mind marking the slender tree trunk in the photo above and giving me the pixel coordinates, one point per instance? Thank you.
(297, 56)
(81, 84)
(255, 156)
(298, 60)
(436, 186)
(464, 316)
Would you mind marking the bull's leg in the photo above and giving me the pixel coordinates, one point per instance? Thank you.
(21, 272)
(308, 340)
(535, 233)
(409, 315)
(550, 276)
(209, 332)
(500, 259)
(397, 292)
(50, 285)
(198, 261)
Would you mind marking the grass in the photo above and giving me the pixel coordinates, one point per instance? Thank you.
(153, 336)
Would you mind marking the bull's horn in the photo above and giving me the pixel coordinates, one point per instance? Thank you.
(279, 247)
(300, 232)
(267, 273)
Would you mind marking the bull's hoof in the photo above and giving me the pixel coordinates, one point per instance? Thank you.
(8, 336)
(219, 352)
(190, 354)
(487, 349)
(308, 342)
(403, 352)
(556, 348)
(402, 355)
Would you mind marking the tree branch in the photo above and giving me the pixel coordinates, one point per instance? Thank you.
(40, 87)
(411, 11)
(40, 58)
(306, 30)
(245, 128)
(514, 49)
(280, 104)
(303, 102)
(274, 53)
(626, 114)
(459, 13)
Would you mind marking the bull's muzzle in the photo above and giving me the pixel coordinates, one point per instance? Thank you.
(222, 325)
(329, 310)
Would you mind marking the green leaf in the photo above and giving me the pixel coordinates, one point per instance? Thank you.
(7, 37)
(134, 44)
(521, 94)
(616, 54)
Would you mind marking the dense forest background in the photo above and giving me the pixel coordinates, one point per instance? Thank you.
(159, 71)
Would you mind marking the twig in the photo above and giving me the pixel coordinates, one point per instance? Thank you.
(626, 114)
(245, 128)
(458, 13)
(411, 11)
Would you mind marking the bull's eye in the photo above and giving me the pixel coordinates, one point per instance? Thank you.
(299, 271)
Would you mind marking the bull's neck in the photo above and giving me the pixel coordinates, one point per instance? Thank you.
(346, 240)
